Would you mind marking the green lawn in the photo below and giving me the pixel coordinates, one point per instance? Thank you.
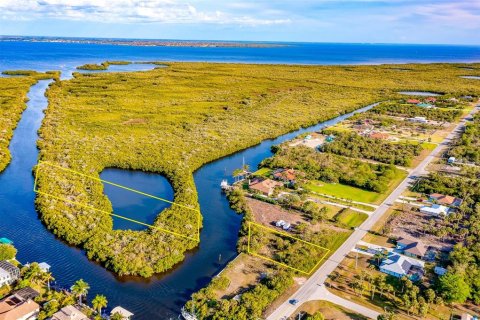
(350, 218)
(262, 172)
(343, 191)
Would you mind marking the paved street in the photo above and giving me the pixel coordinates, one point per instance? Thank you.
(308, 291)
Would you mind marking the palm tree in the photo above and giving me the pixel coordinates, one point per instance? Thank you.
(47, 277)
(80, 289)
(99, 302)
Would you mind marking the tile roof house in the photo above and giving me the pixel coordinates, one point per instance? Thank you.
(8, 273)
(14, 307)
(399, 266)
(264, 186)
(123, 312)
(285, 175)
(379, 135)
(69, 313)
(445, 200)
(435, 210)
(431, 99)
(413, 101)
(411, 248)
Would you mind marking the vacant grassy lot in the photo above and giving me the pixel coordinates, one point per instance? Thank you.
(13, 98)
(173, 120)
(343, 191)
(350, 218)
(328, 310)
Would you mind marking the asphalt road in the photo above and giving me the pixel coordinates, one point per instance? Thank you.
(309, 290)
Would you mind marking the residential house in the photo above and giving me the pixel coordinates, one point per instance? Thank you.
(264, 186)
(431, 99)
(399, 266)
(413, 101)
(27, 293)
(411, 248)
(436, 210)
(127, 315)
(379, 135)
(418, 119)
(45, 267)
(445, 200)
(15, 307)
(69, 313)
(285, 175)
(451, 160)
(8, 273)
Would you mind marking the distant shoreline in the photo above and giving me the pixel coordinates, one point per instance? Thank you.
(147, 43)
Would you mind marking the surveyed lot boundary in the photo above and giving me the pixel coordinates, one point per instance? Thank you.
(283, 234)
(196, 212)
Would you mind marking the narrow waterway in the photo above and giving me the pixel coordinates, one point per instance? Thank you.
(159, 297)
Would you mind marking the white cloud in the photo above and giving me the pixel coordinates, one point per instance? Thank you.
(125, 11)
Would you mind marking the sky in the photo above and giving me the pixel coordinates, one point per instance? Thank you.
(364, 21)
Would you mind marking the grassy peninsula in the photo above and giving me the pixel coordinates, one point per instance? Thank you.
(172, 121)
(13, 98)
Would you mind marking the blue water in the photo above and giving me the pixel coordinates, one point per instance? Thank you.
(162, 296)
(66, 56)
(134, 205)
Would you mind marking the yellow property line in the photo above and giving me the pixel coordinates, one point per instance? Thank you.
(113, 214)
(286, 235)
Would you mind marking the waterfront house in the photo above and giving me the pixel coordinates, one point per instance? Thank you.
(45, 267)
(127, 315)
(8, 273)
(436, 210)
(15, 307)
(445, 200)
(413, 101)
(27, 293)
(411, 248)
(285, 175)
(264, 186)
(69, 313)
(401, 266)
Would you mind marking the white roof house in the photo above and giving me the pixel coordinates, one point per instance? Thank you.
(45, 267)
(435, 210)
(123, 312)
(399, 265)
(69, 313)
(5, 278)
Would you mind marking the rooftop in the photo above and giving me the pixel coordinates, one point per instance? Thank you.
(69, 313)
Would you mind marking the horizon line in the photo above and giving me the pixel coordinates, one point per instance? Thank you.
(235, 41)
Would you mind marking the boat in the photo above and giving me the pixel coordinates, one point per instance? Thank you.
(187, 315)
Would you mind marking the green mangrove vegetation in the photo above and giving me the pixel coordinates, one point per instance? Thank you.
(351, 144)
(467, 148)
(101, 66)
(13, 98)
(172, 120)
